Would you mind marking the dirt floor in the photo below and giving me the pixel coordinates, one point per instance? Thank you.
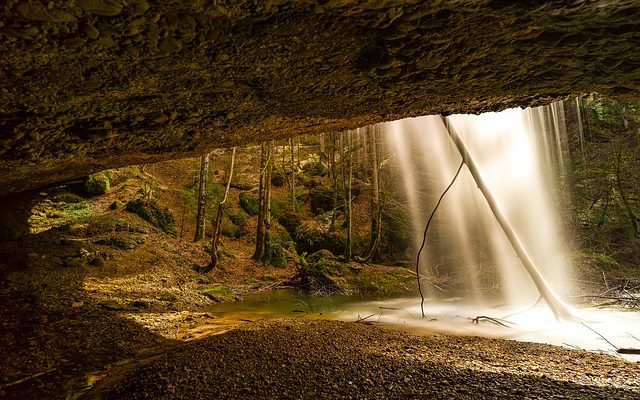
(328, 359)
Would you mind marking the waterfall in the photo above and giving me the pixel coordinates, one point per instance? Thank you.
(520, 156)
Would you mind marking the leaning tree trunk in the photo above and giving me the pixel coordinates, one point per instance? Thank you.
(259, 253)
(217, 226)
(559, 309)
(202, 198)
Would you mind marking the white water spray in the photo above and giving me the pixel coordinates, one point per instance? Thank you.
(467, 246)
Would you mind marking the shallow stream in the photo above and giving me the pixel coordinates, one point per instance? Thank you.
(529, 323)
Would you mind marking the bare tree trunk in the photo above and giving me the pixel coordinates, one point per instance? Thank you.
(334, 181)
(218, 222)
(348, 197)
(267, 204)
(374, 251)
(259, 253)
(559, 309)
(292, 177)
(202, 198)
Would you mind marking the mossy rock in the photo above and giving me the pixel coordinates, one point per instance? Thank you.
(322, 199)
(275, 256)
(150, 212)
(315, 169)
(97, 184)
(249, 202)
(397, 281)
(219, 293)
(229, 229)
(278, 177)
(70, 198)
(311, 238)
(237, 216)
(117, 205)
(308, 182)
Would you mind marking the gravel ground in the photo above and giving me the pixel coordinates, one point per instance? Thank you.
(297, 358)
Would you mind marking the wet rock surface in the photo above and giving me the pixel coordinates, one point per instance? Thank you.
(92, 84)
(327, 359)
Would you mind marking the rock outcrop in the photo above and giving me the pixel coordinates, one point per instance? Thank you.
(87, 85)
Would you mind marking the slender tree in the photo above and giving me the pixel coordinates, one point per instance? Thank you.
(260, 229)
(374, 251)
(218, 222)
(334, 180)
(292, 178)
(348, 197)
(202, 197)
(267, 204)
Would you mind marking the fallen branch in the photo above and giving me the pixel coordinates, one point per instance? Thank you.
(616, 348)
(424, 235)
(364, 319)
(19, 381)
(627, 351)
(496, 321)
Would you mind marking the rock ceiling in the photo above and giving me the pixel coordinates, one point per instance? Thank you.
(92, 84)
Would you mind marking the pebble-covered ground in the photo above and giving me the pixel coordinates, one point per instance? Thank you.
(300, 358)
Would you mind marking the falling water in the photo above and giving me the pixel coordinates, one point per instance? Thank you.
(519, 154)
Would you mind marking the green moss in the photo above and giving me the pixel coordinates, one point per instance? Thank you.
(237, 216)
(67, 197)
(160, 218)
(322, 199)
(97, 184)
(276, 256)
(249, 202)
(219, 293)
(278, 177)
(229, 229)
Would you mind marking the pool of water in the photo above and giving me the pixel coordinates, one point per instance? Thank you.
(595, 329)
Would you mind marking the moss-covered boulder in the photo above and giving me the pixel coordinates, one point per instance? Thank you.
(278, 177)
(249, 202)
(219, 293)
(315, 168)
(149, 211)
(97, 184)
(322, 199)
(310, 238)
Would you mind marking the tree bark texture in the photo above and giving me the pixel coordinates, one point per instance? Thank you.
(202, 198)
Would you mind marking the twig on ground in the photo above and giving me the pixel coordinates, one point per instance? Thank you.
(27, 378)
(496, 321)
(633, 336)
(597, 333)
(365, 318)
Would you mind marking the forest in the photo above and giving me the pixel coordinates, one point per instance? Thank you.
(120, 277)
